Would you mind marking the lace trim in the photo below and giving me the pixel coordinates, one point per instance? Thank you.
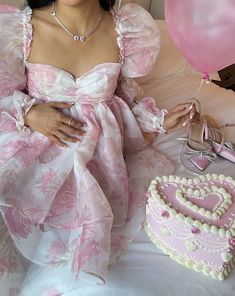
(27, 31)
(21, 110)
(149, 117)
(158, 120)
(121, 40)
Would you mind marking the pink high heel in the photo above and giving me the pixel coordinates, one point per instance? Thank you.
(197, 153)
(221, 147)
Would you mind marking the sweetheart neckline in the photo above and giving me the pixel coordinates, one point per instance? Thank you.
(75, 78)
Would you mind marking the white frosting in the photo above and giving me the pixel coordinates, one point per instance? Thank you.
(226, 257)
(214, 176)
(189, 262)
(221, 177)
(171, 178)
(196, 181)
(181, 195)
(203, 178)
(191, 245)
(229, 179)
(189, 221)
(208, 177)
(165, 178)
(214, 229)
(165, 231)
(201, 194)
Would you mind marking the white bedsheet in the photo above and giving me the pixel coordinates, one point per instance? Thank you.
(144, 270)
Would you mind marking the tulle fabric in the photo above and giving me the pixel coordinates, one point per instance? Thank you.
(74, 209)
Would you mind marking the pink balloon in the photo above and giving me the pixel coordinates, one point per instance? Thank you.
(204, 31)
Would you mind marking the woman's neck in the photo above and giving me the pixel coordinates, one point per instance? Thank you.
(81, 17)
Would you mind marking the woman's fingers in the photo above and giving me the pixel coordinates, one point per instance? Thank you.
(181, 115)
(193, 111)
(68, 120)
(190, 107)
(61, 105)
(177, 115)
(190, 111)
(57, 141)
(63, 137)
(185, 120)
(181, 107)
(69, 130)
(49, 120)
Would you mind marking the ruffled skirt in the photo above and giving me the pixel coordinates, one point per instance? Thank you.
(72, 211)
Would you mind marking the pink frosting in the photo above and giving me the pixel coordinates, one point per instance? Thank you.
(187, 240)
(211, 201)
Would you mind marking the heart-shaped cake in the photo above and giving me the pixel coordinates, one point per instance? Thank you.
(193, 221)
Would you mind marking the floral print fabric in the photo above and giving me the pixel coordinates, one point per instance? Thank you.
(73, 210)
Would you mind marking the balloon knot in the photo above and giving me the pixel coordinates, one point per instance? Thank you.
(206, 77)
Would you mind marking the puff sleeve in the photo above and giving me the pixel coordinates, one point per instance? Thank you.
(14, 102)
(139, 43)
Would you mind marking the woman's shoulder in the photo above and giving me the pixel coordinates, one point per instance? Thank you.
(13, 16)
(134, 10)
(134, 18)
(14, 24)
(4, 8)
(11, 12)
(139, 40)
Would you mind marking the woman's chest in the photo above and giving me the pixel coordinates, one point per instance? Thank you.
(49, 83)
(54, 46)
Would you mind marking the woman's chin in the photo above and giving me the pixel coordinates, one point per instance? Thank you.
(72, 2)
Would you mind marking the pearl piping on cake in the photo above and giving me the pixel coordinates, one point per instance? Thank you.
(158, 218)
(184, 260)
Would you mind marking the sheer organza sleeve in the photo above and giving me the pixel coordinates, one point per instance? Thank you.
(139, 43)
(14, 102)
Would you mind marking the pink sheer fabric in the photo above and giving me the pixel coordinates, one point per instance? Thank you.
(77, 207)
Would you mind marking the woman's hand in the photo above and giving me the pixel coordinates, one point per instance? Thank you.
(181, 115)
(48, 120)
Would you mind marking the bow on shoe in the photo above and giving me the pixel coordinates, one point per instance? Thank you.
(229, 146)
(205, 154)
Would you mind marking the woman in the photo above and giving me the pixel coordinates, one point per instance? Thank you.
(76, 157)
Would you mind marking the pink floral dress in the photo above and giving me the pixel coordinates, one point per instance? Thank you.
(74, 209)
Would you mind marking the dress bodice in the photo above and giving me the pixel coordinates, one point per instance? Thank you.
(46, 82)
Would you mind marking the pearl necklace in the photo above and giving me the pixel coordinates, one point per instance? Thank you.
(75, 37)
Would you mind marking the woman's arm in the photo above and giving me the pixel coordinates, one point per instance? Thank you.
(158, 121)
(14, 102)
(18, 111)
